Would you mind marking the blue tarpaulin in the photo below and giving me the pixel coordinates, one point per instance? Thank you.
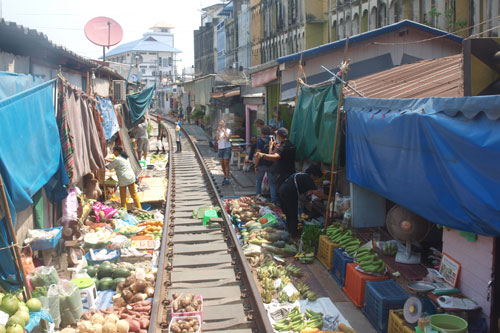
(107, 111)
(13, 83)
(438, 157)
(139, 103)
(30, 156)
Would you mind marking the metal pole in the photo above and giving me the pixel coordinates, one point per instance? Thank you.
(21, 275)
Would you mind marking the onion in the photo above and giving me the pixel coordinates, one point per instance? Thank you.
(139, 286)
(122, 326)
(150, 291)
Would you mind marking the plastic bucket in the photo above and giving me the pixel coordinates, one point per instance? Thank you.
(448, 323)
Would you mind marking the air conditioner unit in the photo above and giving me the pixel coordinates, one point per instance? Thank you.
(119, 90)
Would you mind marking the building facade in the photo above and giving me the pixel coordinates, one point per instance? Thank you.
(464, 17)
(154, 55)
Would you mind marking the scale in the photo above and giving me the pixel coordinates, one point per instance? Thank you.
(413, 306)
(412, 310)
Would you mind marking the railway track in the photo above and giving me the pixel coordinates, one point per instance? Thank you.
(202, 260)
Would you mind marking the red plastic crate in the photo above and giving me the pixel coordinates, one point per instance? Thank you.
(355, 284)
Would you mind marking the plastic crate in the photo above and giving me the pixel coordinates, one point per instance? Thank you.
(397, 323)
(325, 251)
(50, 243)
(194, 313)
(380, 297)
(176, 319)
(355, 284)
(340, 262)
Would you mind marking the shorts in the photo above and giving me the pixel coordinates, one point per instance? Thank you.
(225, 153)
(143, 145)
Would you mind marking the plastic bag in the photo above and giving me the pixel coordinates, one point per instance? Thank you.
(70, 302)
(44, 277)
(51, 304)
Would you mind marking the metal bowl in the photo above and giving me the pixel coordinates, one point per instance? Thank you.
(421, 287)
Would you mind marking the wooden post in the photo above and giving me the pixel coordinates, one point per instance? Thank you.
(15, 249)
(334, 166)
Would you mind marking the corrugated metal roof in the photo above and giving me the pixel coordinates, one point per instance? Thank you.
(370, 34)
(427, 78)
(147, 43)
(21, 40)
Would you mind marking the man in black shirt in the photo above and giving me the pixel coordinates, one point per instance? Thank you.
(283, 158)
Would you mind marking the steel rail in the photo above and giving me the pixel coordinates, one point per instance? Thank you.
(154, 322)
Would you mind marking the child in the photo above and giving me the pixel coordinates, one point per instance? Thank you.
(125, 175)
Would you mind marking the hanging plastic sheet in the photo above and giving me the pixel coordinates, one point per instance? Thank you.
(107, 111)
(139, 103)
(438, 157)
(12, 83)
(30, 156)
(314, 123)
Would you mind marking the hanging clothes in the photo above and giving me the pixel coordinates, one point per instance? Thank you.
(64, 132)
(98, 120)
(88, 155)
(107, 111)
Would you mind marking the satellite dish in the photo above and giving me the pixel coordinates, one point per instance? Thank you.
(103, 31)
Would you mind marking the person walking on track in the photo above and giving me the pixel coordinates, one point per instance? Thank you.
(162, 133)
(223, 135)
(125, 175)
(178, 137)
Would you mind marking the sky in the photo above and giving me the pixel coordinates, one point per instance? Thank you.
(63, 20)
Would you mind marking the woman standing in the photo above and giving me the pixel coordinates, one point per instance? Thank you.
(223, 135)
(125, 175)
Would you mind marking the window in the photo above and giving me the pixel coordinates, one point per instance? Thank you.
(143, 71)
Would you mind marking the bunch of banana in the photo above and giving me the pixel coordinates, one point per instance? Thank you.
(334, 230)
(282, 297)
(263, 272)
(311, 295)
(363, 253)
(267, 296)
(303, 288)
(389, 248)
(294, 297)
(305, 257)
(314, 319)
(293, 270)
(274, 272)
(294, 321)
(371, 263)
(352, 246)
(341, 235)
